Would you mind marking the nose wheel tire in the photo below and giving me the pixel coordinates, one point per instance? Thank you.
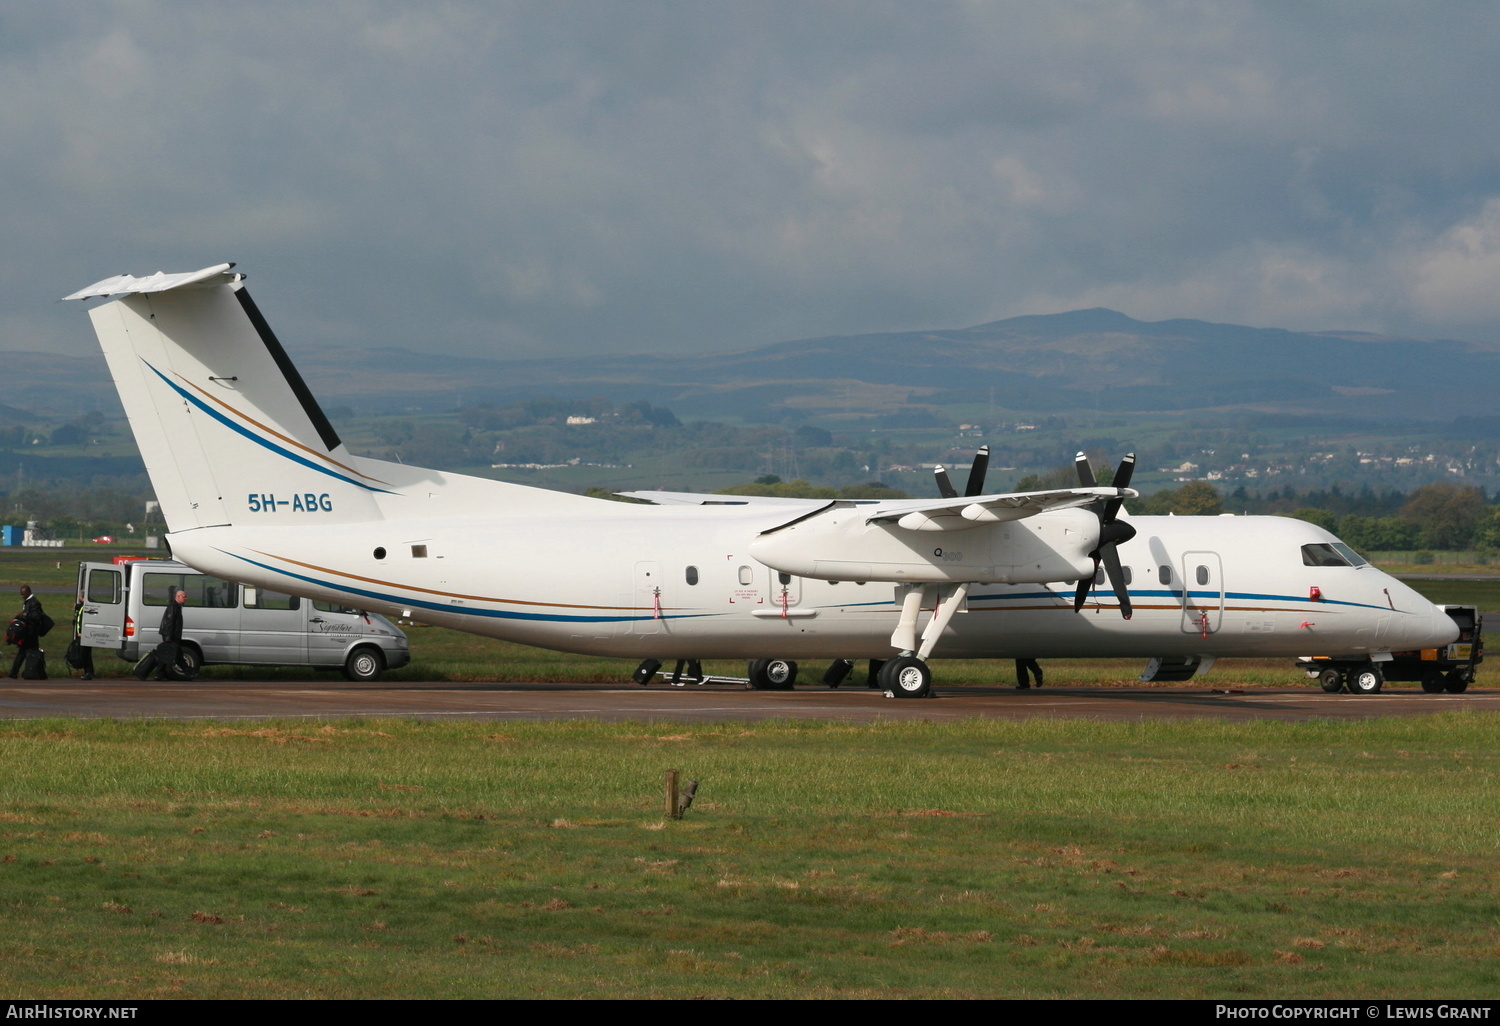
(1367, 681)
(906, 677)
(772, 674)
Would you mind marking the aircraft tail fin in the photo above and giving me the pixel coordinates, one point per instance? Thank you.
(228, 430)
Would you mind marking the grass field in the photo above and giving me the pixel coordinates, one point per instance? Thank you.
(1039, 859)
(1048, 858)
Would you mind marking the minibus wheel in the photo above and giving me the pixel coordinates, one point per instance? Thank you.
(364, 663)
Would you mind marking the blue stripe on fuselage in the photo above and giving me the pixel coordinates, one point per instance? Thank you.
(499, 614)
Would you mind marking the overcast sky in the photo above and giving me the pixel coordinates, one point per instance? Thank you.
(530, 179)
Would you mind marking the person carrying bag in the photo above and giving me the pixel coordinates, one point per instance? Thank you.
(25, 632)
(163, 661)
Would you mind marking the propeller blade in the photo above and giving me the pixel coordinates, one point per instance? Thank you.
(1085, 472)
(1121, 480)
(977, 472)
(944, 485)
(1116, 574)
(1081, 595)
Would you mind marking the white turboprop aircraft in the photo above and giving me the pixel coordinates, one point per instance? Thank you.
(256, 487)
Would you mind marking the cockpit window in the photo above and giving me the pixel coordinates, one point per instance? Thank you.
(1354, 558)
(1336, 554)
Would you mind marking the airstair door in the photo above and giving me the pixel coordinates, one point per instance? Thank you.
(1202, 592)
(649, 600)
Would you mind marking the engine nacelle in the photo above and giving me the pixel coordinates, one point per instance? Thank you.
(840, 546)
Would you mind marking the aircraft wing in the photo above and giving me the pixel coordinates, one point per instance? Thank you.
(700, 499)
(972, 511)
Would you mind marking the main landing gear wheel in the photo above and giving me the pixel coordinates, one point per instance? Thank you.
(1433, 682)
(1457, 683)
(1366, 681)
(906, 677)
(772, 674)
(1331, 681)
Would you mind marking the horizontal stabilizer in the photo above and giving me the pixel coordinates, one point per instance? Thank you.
(124, 284)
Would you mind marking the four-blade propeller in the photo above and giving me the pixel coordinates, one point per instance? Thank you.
(1112, 531)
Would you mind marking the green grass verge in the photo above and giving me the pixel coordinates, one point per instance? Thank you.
(1484, 594)
(979, 859)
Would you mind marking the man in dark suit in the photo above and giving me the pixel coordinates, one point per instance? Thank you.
(163, 658)
(31, 614)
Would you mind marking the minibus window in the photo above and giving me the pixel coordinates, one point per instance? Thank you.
(203, 591)
(262, 598)
(104, 586)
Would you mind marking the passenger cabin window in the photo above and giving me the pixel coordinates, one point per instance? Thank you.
(1126, 575)
(262, 598)
(1335, 554)
(203, 591)
(104, 586)
(1166, 574)
(691, 573)
(1202, 575)
(419, 552)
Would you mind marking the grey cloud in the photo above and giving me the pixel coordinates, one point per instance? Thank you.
(545, 177)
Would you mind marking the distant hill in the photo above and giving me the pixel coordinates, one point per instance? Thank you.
(1086, 359)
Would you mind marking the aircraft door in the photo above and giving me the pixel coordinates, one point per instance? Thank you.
(102, 590)
(648, 599)
(1202, 592)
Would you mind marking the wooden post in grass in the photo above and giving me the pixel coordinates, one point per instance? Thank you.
(669, 794)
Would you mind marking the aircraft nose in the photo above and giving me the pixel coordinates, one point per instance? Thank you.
(1425, 626)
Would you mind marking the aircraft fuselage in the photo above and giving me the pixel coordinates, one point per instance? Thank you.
(680, 582)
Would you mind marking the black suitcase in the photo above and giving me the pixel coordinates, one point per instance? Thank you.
(166, 659)
(35, 666)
